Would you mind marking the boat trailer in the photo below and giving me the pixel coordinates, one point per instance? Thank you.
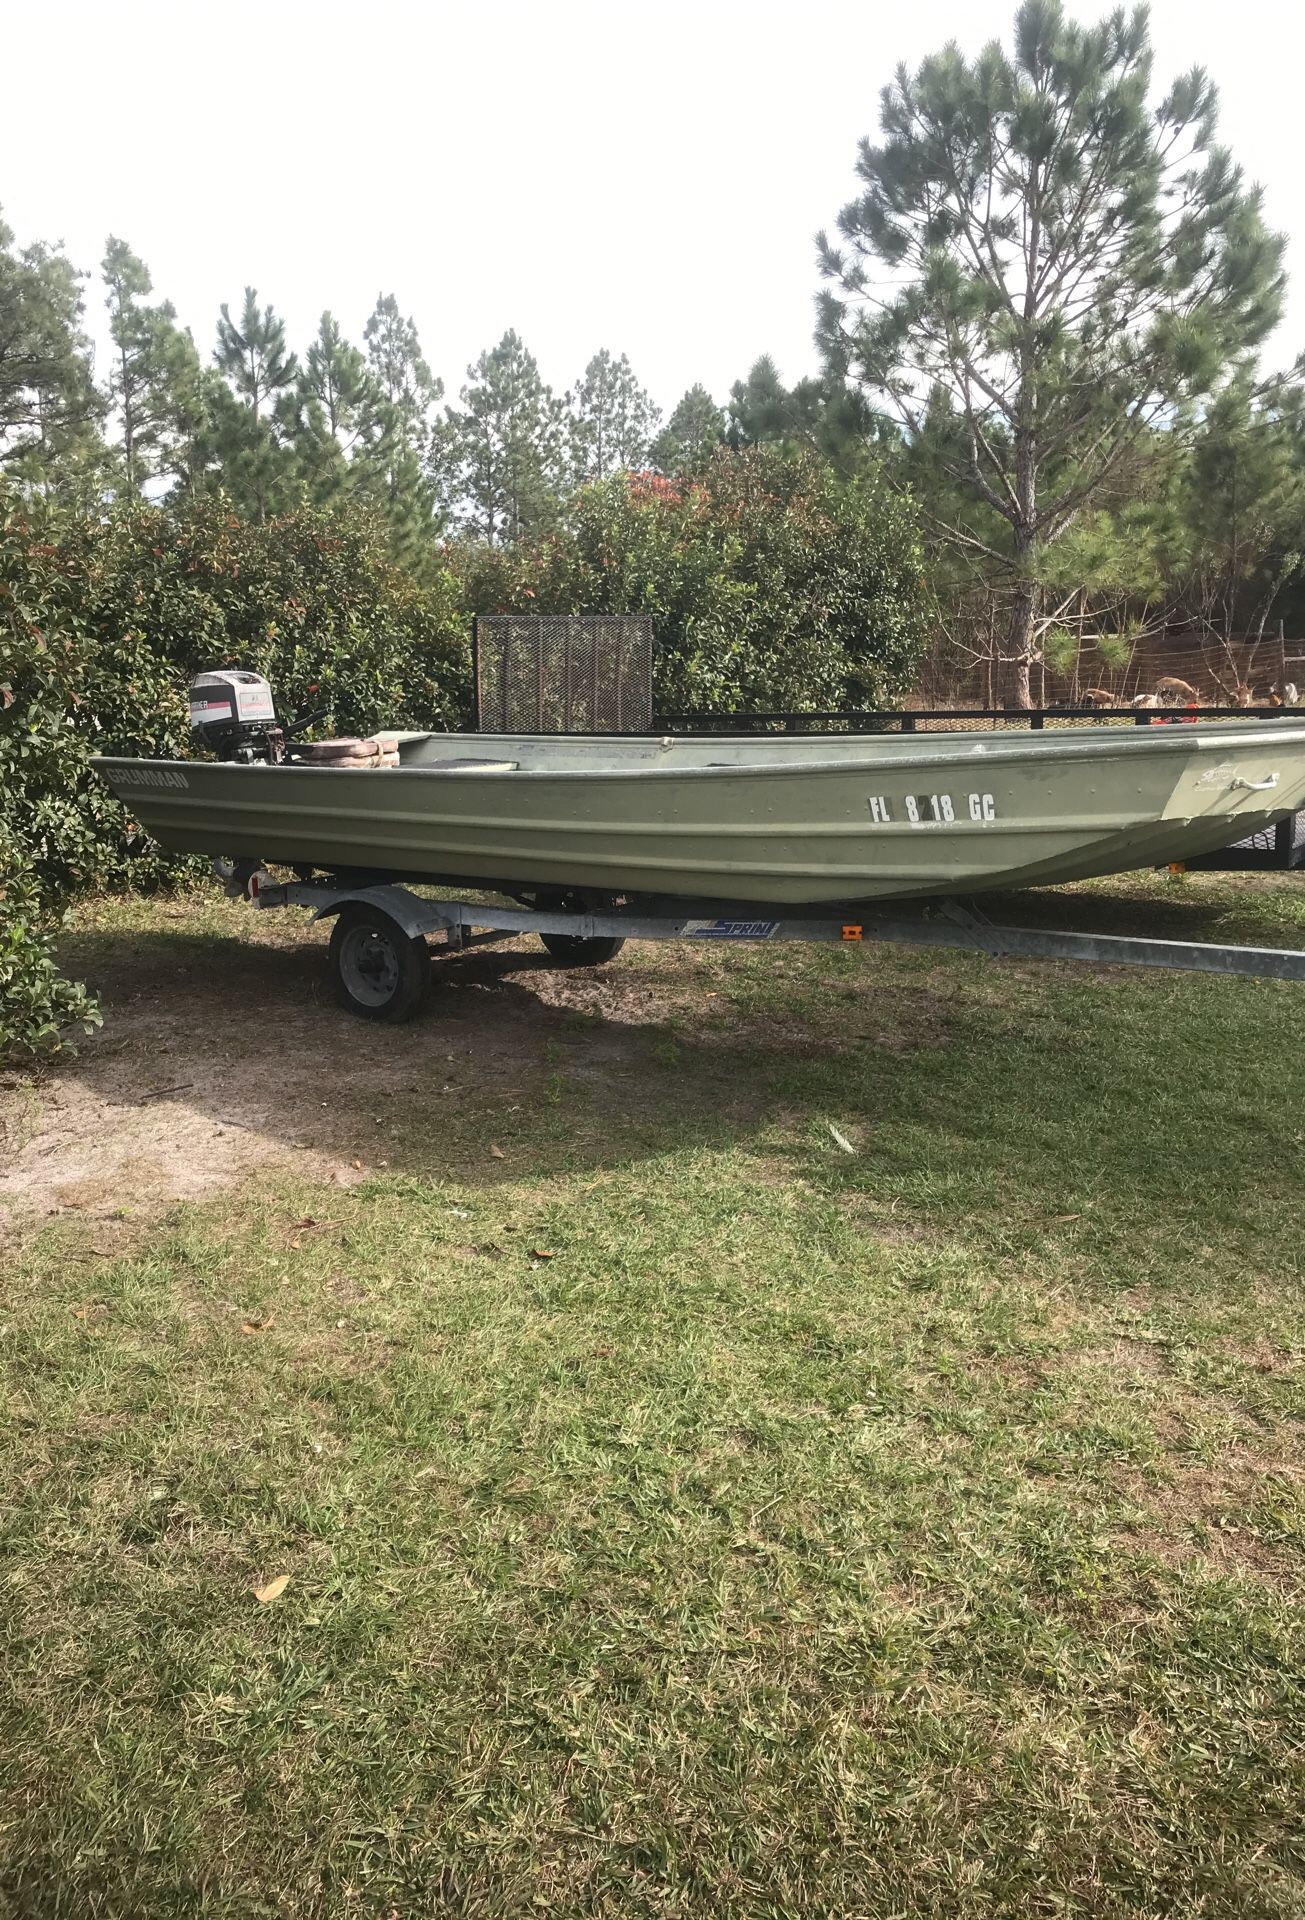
(380, 960)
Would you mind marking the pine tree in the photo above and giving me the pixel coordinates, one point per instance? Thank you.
(253, 358)
(1071, 265)
(154, 369)
(694, 428)
(508, 445)
(761, 407)
(612, 419)
(127, 281)
(334, 401)
(200, 428)
(253, 354)
(399, 367)
(335, 375)
(49, 408)
(822, 415)
(1244, 507)
(399, 455)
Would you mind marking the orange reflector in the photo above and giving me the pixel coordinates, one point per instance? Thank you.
(851, 933)
(1177, 866)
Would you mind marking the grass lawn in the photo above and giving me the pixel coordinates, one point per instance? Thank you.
(679, 1514)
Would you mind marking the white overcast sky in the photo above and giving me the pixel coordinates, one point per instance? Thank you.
(643, 177)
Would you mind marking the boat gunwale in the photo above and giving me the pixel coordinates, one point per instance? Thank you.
(964, 748)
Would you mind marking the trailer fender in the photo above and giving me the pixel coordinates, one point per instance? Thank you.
(407, 911)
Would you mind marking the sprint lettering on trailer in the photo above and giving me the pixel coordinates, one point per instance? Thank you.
(934, 810)
(730, 929)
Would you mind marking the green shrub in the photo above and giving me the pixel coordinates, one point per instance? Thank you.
(103, 621)
(312, 600)
(45, 845)
(771, 584)
(38, 1006)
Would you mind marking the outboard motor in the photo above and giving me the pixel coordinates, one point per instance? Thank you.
(233, 713)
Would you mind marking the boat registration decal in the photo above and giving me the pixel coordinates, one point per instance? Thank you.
(731, 929)
(934, 810)
(149, 777)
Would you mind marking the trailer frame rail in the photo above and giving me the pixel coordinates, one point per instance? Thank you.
(949, 923)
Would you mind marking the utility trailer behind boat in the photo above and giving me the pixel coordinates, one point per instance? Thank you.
(380, 952)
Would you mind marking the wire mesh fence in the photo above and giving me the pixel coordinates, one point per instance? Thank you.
(1236, 670)
(545, 673)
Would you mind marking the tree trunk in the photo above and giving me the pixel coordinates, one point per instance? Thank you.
(1018, 651)
(1023, 606)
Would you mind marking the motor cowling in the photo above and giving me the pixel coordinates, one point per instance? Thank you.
(234, 715)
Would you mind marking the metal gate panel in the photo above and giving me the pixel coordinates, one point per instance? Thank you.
(563, 673)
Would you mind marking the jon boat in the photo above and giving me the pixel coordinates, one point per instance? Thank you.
(779, 819)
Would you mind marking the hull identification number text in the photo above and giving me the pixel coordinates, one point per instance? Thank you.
(934, 810)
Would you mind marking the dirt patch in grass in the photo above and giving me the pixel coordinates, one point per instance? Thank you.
(224, 1055)
(871, 1216)
(1121, 1356)
(100, 1148)
(1217, 1552)
(1210, 1510)
(1263, 1355)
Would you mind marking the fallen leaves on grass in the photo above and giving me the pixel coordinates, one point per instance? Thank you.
(257, 1326)
(497, 1153)
(839, 1139)
(272, 1591)
(301, 1227)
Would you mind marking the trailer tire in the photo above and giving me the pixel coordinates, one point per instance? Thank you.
(569, 950)
(379, 971)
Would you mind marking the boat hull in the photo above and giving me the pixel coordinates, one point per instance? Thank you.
(775, 819)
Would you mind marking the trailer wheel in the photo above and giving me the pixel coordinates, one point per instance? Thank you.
(378, 971)
(569, 950)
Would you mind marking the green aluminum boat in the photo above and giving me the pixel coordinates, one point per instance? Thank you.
(779, 819)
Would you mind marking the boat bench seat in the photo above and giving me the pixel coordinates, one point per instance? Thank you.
(463, 765)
